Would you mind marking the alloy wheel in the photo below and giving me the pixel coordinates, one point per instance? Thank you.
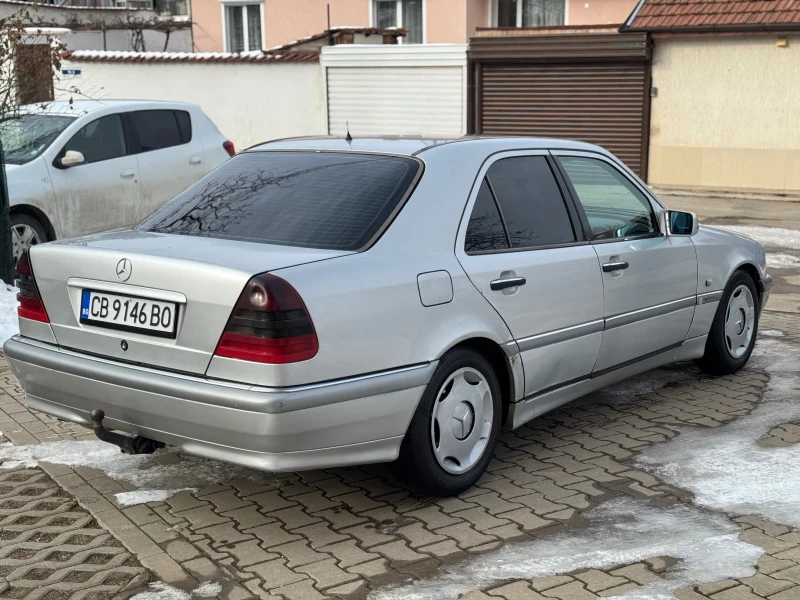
(461, 423)
(22, 238)
(739, 321)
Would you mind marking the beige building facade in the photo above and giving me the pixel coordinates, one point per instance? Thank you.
(241, 25)
(726, 113)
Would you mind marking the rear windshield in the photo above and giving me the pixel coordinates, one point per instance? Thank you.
(330, 200)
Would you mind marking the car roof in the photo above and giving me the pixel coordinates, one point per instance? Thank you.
(414, 145)
(84, 107)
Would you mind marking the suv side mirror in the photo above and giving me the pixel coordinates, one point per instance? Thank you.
(682, 223)
(72, 158)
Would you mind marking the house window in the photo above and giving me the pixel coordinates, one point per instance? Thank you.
(529, 13)
(243, 27)
(400, 13)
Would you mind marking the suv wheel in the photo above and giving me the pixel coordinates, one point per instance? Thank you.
(25, 232)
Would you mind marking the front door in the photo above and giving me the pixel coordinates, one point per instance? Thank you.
(649, 278)
(523, 250)
(102, 192)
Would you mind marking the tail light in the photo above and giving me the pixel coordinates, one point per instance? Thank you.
(269, 324)
(229, 148)
(30, 301)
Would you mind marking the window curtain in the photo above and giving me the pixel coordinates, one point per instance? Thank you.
(412, 21)
(254, 27)
(385, 13)
(235, 28)
(542, 13)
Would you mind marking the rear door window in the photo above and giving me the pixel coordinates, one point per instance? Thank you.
(530, 202)
(158, 129)
(328, 200)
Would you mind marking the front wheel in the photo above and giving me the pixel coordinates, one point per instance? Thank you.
(733, 332)
(451, 439)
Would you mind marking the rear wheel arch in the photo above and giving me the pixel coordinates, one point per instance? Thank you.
(498, 359)
(38, 214)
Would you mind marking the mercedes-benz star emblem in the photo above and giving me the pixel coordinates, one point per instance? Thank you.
(124, 269)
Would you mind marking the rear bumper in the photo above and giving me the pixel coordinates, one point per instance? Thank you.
(353, 421)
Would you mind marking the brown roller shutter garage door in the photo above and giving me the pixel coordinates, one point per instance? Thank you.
(560, 90)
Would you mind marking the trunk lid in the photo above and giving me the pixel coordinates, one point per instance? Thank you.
(202, 276)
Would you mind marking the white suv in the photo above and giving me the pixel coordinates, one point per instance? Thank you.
(95, 165)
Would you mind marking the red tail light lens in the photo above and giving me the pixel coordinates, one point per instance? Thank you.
(30, 301)
(270, 324)
(229, 148)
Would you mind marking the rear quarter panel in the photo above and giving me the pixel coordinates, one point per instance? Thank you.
(366, 307)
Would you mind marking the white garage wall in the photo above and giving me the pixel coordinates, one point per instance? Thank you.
(249, 102)
(400, 90)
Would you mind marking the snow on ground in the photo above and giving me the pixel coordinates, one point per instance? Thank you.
(620, 531)
(8, 312)
(162, 591)
(771, 333)
(725, 468)
(773, 237)
(782, 261)
(155, 481)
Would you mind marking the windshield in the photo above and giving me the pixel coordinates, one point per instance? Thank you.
(27, 136)
(328, 200)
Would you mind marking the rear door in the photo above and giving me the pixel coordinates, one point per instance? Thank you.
(649, 278)
(171, 157)
(103, 192)
(522, 248)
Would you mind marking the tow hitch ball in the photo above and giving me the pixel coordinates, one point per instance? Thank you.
(127, 443)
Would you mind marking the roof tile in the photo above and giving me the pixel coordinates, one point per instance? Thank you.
(198, 57)
(711, 14)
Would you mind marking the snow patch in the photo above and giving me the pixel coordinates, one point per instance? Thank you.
(143, 471)
(771, 333)
(767, 236)
(725, 468)
(782, 261)
(163, 591)
(621, 531)
(9, 324)
(208, 590)
(145, 496)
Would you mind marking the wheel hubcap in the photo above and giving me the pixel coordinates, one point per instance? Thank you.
(461, 422)
(22, 238)
(739, 321)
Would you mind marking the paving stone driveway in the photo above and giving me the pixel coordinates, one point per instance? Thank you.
(345, 532)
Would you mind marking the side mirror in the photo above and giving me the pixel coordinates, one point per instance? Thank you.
(72, 158)
(682, 223)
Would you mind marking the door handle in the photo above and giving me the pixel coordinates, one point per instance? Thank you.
(195, 160)
(501, 284)
(614, 266)
(127, 173)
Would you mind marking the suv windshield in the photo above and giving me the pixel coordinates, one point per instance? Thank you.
(328, 200)
(27, 136)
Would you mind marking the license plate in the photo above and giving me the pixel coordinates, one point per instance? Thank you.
(129, 313)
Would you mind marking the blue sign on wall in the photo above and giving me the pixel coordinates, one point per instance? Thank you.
(70, 71)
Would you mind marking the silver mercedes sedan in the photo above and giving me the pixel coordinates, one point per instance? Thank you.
(314, 303)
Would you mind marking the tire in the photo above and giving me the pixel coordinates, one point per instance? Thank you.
(438, 461)
(26, 231)
(733, 332)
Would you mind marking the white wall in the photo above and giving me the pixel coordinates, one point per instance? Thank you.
(249, 102)
(401, 90)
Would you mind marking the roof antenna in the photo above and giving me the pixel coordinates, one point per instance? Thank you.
(348, 137)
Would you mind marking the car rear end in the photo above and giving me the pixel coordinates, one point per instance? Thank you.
(187, 330)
